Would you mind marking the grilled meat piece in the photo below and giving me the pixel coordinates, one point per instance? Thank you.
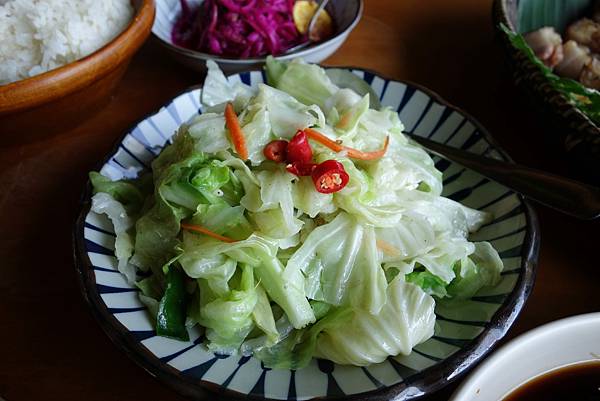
(575, 57)
(586, 32)
(547, 45)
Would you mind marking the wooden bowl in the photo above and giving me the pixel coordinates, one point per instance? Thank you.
(576, 133)
(61, 98)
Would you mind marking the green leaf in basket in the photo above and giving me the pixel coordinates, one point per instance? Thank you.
(585, 99)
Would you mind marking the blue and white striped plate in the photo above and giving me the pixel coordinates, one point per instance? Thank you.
(463, 334)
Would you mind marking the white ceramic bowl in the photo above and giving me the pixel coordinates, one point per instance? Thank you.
(345, 13)
(561, 343)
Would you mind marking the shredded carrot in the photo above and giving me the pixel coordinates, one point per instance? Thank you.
(344, 120)
(202, 230)
(357, 154)
(237, 135)
(386, 247)
(352, 153)
(323, 140)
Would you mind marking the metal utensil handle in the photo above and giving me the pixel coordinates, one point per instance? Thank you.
(568, 196)
(311, 25)
(313, 19)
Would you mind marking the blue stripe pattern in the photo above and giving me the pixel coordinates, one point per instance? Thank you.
(427, 117)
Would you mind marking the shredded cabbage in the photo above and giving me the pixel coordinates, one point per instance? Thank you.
(351, 276)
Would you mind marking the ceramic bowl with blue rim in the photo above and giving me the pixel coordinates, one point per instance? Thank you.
(463, 334)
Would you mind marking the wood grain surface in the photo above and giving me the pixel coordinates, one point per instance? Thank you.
(51, 348)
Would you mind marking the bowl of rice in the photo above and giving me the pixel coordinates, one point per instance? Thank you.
(61, 59)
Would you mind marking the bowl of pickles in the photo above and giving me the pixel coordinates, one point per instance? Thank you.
(239, 34)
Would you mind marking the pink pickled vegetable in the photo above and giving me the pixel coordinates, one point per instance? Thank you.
(237, 28)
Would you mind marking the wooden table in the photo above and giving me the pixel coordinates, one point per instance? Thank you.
(51, 346)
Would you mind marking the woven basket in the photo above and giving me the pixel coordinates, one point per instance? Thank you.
(579, 135)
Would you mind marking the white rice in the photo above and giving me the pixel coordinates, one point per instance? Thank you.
(39, 35)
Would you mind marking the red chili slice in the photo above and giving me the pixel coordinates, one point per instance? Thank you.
(330, 176)
(299, 150)
(301, 169)
(276, 150)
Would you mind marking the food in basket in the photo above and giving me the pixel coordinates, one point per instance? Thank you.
(572, 66)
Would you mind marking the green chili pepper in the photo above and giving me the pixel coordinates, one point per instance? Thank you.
(170, 320)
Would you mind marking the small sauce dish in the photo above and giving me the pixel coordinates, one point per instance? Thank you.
(548, 348)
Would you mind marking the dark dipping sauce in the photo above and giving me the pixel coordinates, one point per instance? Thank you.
(579, 382)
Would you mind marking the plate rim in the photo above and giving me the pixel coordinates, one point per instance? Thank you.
(425, 382)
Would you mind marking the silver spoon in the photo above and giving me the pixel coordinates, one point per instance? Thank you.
(311, 25)
(567, 196)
